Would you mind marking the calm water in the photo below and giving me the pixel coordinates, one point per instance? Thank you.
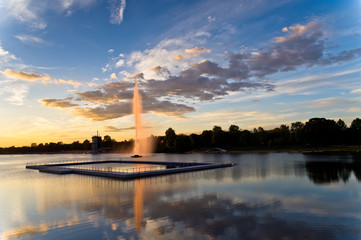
(265, 196)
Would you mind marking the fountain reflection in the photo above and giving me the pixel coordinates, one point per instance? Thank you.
(138, 203)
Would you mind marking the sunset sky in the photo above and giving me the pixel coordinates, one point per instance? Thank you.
(68, 67)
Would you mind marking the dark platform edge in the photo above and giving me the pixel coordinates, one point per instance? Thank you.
(179, 167)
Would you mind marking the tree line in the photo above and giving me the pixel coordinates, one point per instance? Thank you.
(315, 132)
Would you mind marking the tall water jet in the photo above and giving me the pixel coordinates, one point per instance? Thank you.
(142, 144)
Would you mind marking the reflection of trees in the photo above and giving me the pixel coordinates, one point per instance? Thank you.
(327, 172)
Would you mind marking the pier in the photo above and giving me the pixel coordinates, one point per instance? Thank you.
(127, 174)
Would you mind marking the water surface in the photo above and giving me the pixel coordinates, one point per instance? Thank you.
(265, 196)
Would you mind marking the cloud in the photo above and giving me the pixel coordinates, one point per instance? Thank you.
(121, 109)
(162, 71)
(117, 11)
(211, 19)
(356, 91)
(29, 39)
(69, 82)
(114, 129)
(5, 56)
(114, 100)
(197, 50)
(31, 77)
(31, 12)
(35, 77)
(106, 112)
(169, 53)
(204, 81)
(171, 86)
(329, 102)
(58, 103)
(179, 57)
(134, 77)
(304, 45)
(119, 63)
(108, 93)
(110, 50)
(297, 31)
(113, 76)
(17, 92)
(346, 55)
(24, 11)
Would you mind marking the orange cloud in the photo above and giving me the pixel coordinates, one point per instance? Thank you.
(297, 30)
(36, 77)
(31, 77)
(178, 57)
(57, 103)
(197, 50)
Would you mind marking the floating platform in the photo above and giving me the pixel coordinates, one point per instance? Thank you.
(170, 168)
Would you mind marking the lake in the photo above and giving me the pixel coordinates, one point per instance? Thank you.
(265, 196)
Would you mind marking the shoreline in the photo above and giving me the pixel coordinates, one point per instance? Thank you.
(246, 150)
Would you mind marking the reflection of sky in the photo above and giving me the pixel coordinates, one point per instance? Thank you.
(267, 195)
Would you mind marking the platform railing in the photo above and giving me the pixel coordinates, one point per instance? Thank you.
(120, 170)
(64, 162)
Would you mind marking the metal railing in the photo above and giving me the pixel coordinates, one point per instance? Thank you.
(66, 162)
(119, 170)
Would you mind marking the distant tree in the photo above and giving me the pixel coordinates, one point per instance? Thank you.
(260, 137)
(234, 135)
(34, 145)
(355, 131)
(356, 124)
(87, 144)
(169, 139)
(206, 138)
(159, 144)
(297, 132)
(107, 142)
(245, 138)
(182, 143)
(321, 131)
(218, 136)
(342, 131)
(74, 146)
(279, 136)
(342, 125)
(195, 140)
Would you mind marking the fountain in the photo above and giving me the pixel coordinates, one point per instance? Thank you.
(142, 144)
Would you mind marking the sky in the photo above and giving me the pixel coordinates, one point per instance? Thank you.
(68, 67)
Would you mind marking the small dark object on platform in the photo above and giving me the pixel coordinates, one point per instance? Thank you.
(136, 156)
